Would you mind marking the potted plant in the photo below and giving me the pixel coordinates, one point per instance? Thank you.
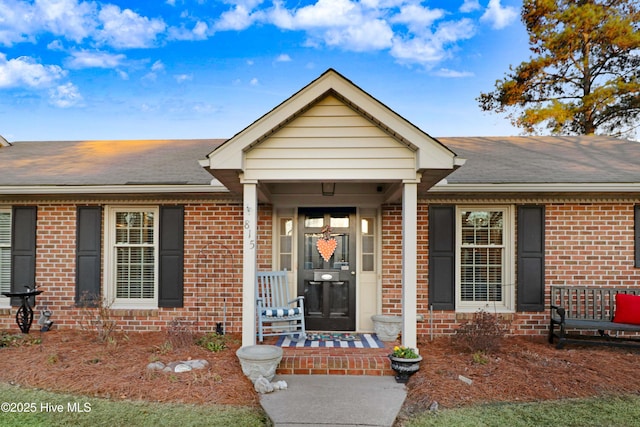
(405, 361)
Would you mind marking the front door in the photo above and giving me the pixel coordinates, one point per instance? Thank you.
(327, 271)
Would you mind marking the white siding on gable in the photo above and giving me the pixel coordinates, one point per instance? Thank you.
(330, 141)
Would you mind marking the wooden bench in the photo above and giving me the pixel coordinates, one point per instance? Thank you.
(589, 308)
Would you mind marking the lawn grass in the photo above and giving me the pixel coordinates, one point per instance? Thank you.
(102, 412)
(623, 411)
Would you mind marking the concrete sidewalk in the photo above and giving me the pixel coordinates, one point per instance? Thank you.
(336, 400)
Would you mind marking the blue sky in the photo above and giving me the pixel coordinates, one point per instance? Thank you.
(74, 69)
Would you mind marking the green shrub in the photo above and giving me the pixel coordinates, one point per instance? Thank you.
(12, 340)
(213, 342)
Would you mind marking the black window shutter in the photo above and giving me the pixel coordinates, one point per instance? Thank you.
(88, 251)
(530, 290)
(23, 250)
(636, 232)
(442, 256)
(170, 280)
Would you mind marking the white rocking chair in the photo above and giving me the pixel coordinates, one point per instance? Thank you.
(277, 313)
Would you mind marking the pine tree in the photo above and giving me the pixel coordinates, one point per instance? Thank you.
(584, 75)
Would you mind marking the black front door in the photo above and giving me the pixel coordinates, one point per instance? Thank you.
(327, 277)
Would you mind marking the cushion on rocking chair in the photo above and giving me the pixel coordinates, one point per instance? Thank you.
(281, 312)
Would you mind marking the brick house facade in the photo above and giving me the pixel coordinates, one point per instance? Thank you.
(437, 238)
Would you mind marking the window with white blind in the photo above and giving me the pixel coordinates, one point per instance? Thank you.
(5, 254)
(484, 261)
(132, 261)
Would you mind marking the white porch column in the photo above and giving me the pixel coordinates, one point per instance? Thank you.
(409, 263)
(249, 261)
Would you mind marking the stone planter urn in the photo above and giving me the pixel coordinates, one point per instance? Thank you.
(259, 361)
(404, 368)
(387, 327)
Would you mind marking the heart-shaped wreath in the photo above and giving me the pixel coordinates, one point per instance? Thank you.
(326, 245)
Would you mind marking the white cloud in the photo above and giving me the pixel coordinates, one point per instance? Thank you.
(77, 21)
(254, 81)
(157, 66)
(203, 108)
(25, 71)
(55, 45)
(241, 15)
(200, 31)
(239, 18)
(327, 13)
(17, 22)
(445, 72)
(417, 51)
(127, 29)
(370, 35)
(65, 96)
(181, 78)
(72, 19)
(95, 59)
(418, 18)
(342, 23)
(497, 16)
(470, 6)
(283, 57)
(452, 31)
(432, 48)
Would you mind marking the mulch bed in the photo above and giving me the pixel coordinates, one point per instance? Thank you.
(74, 361)
(523, 370)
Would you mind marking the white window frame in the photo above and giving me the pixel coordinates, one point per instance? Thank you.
(5, 302)
(109, 289)
(507, 305)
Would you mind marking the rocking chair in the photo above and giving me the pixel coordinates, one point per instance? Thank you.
(278, 314)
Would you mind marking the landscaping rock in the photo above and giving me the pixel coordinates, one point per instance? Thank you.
(465, 380)
(262, 385)
(181, 366)
(197, 363)
(155, 366)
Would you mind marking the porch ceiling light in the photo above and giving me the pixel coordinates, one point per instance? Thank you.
(328, 188)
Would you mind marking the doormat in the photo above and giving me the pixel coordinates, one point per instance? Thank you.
(332, 340)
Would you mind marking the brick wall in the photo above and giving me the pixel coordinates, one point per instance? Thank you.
(590, 244)
(587, 244)
(213, 238)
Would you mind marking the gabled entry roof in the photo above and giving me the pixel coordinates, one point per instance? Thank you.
(331, 125)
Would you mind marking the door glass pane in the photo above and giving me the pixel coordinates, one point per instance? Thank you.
(314, 221)
(286, 246)
(312, 258)
(339, 221)
(341, 255)
(366, 228)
